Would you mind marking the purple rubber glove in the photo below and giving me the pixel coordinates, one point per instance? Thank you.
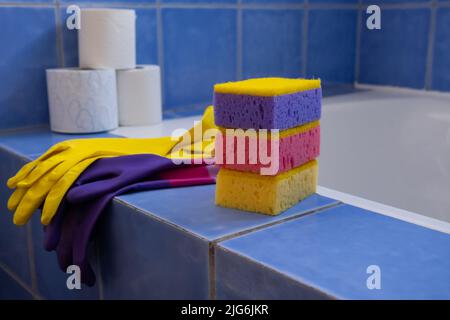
(71, 229)
(104, 176)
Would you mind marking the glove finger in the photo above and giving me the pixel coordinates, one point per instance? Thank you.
(26, 169)
(87, 274)
(21, 174)
(208, 119)
(85, 229)
(15, 198)
(63, 254)
(54, 150)
(65, 246)
(58, 191)
(52, 232)
(40, 170)
(73, 161)
(32, 200)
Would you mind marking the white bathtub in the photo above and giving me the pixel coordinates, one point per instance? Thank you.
(390, 146)
(384, 146)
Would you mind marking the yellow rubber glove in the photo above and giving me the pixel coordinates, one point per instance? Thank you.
(51, 175)
(197, 142)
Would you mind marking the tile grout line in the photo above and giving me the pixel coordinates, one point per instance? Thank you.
(318, 6)
(286, 275)
(211, 271)
(160, 44)
(239, 40)
(397, 6)
(274, 223)
(113, 5)
(27, 5)
(305, 39)
(59, 35)
(359, 19)
(31, 260)
(19, 281)
(213, 244)
(158, 4)
(101, 295)
(428, 82)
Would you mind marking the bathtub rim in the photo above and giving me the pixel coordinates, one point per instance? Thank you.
(390, 211)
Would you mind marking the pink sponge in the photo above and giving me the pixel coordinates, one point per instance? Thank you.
(295, 147)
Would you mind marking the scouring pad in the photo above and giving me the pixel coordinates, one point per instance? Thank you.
(265, 194)
(267, 103)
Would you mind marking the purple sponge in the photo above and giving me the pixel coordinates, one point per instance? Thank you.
(273, 112)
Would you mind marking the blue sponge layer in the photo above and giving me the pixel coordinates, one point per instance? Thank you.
(277, 112)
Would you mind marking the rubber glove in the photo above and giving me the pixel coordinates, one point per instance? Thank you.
(24, 201)
(71, 229)
(51, 175)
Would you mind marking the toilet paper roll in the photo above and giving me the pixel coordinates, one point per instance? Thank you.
(139, 96)
(107, 39)
(82, 101)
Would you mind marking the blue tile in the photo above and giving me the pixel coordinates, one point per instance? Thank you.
(31, 48)
(333, 89)
(153, 249)
(50, 280)
(13, 239)
(199, 51)
(189, 110)
(441, 59)
(378, 2)
(271, 1)
(199, 1)
(238, 278)
(396, 54)
(41, 1)
(198, 214)
(108, 1)
(333, 1)
(144, 258)
(33, 143)
(331, 45)
(331, 250)
(11, 289)
(70, 42)
(271, 41)
(146, 38)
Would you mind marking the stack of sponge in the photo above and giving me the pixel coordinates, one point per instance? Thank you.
(283, 171)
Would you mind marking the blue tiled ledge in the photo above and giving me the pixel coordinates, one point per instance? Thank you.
(147, 246)
(176, 244)
(326, 255)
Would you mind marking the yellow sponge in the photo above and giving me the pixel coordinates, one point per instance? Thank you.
(265, 194)
(267, 87)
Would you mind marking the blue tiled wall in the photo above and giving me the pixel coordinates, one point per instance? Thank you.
(412, 49)
(196, 42)
(200, 42)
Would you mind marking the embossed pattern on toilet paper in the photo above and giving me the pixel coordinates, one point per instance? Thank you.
(82, 101)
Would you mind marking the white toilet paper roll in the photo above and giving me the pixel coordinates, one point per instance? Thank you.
(139, 96)
(82, 101)
(107, 39)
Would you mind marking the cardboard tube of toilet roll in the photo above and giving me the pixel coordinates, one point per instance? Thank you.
(107, 39)
(139, 96)
(82, 101)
